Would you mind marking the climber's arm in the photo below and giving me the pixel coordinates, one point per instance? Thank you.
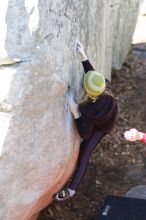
(86, 64)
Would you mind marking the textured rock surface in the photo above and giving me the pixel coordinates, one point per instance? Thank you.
(125, 25)
(38, 143)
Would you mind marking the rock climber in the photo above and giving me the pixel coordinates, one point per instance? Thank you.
(94, 116)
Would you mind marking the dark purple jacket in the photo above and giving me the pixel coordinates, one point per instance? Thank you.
(99, 115)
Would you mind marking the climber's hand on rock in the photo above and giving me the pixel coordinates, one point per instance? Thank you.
(73, 107)
(80, 50)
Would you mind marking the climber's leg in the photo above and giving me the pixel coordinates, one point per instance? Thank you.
(86, 148)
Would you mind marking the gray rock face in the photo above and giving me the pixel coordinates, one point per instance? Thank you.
(138, 192)
(39, 142)
(126, 14)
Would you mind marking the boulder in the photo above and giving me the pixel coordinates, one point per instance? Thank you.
(138, 192)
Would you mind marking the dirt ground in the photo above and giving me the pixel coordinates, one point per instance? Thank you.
(115, 165)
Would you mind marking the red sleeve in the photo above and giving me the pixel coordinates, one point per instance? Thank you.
(143, 140)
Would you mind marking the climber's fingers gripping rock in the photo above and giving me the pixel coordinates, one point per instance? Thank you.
(81, 51)
(73, 107)
(80, 48)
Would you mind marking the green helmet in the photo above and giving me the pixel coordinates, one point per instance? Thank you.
(94, 83)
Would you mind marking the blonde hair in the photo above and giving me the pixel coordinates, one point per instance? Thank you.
(86, 98)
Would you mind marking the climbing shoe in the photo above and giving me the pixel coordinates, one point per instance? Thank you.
(62, 195)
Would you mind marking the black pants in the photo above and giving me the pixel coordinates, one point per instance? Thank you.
(86, 148)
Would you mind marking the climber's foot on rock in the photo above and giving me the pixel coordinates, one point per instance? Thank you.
(64, 195)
